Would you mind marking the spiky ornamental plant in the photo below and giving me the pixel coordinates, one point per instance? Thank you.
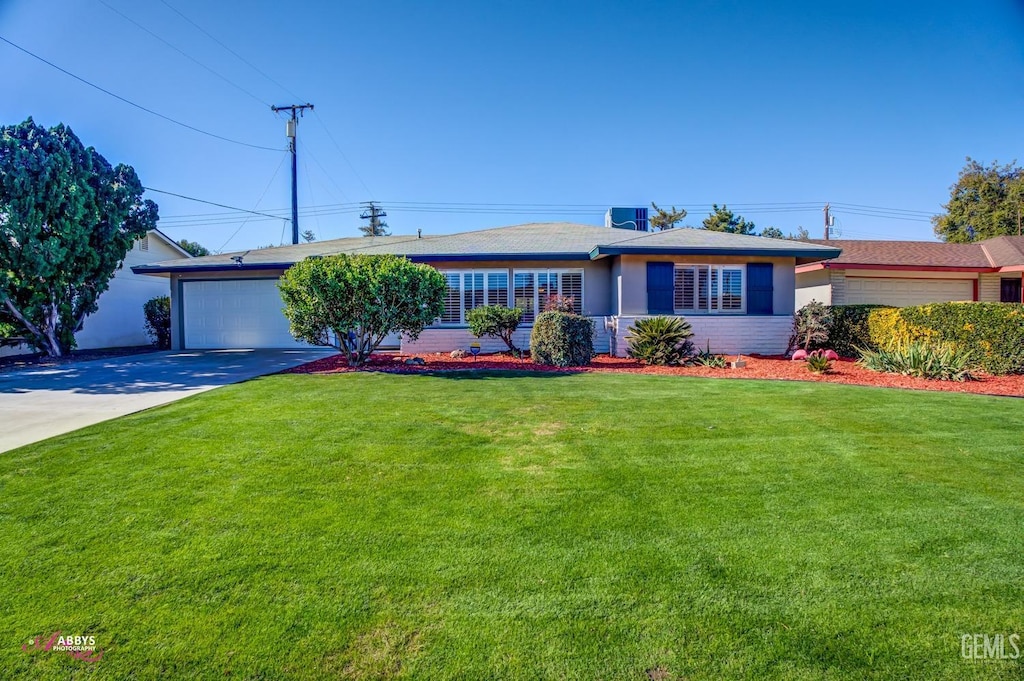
(661, 340)
(67, 219)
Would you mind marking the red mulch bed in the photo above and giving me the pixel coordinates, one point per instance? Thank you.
(758, 367)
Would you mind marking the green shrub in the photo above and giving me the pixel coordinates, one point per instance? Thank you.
(158, 321)
(810, 327)
(992, 332)
(660, 340)
(562, 339)
(495, 321)
(849, 331)
(923, 359)
(351, 302)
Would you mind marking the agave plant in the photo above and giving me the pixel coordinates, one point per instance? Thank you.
(660, 340)
(818, 362)
(709, 359)
(941, 361)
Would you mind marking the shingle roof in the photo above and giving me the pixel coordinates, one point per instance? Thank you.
(908, 253)
(1004, 251)
(561, 240)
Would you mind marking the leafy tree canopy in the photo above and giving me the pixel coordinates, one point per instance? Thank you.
(308, 236)
(983, 203)
(724, 220)
(665, 219)
(194, 248)
(772, 233)
(351, 302)
(67, 219)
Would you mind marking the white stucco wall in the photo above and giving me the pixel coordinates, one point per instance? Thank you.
(814, 285)
(119, 321)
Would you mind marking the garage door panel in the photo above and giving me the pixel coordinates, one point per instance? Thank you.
(903, 292)
(242, 313)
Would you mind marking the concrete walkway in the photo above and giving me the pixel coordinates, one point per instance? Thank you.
(40, 402)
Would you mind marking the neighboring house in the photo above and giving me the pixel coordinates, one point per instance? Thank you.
(737, 291)
(914, 272)
(119, 320)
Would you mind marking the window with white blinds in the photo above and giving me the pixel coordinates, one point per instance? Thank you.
(709, 288)
(471, 289)
(534, 288)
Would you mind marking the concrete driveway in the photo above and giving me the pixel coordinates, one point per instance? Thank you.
(40, 402)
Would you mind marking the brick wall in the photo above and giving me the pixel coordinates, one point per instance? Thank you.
(446, 339)
(729, 335)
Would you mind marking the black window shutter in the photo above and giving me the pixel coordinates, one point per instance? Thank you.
(759, 288)
(659, 287)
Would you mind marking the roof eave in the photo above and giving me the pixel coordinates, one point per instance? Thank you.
(177, 269)
(897, 267)
(807, 255)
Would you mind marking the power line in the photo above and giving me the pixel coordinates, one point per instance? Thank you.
(213, 203)
(891, 210)
(233, 53)
(131, 103)
(258, 202)
(181, 52)
(306, 150)
(258, 70)
(342, 152)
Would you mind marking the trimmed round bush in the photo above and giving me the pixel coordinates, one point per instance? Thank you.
(562, 339)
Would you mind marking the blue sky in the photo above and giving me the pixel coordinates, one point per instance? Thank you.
(443, 111)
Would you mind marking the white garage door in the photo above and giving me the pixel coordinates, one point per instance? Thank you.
(234, 313)
(901, 292)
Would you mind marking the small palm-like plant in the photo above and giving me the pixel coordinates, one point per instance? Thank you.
(662, 341)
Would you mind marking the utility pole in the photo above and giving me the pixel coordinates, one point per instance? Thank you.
(292, 131)
(374, 213)
(827, 220)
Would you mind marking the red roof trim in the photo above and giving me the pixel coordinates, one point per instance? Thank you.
(900, 268)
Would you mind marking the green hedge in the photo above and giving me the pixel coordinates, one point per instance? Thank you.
(849, 331)
(994, 332)
(562, 339)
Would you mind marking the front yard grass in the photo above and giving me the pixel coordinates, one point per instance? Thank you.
(521, 526)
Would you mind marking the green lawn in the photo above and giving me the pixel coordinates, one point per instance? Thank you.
(554, 526)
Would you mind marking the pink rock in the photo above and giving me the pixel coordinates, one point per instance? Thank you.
(831, 354)
(800, 354)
